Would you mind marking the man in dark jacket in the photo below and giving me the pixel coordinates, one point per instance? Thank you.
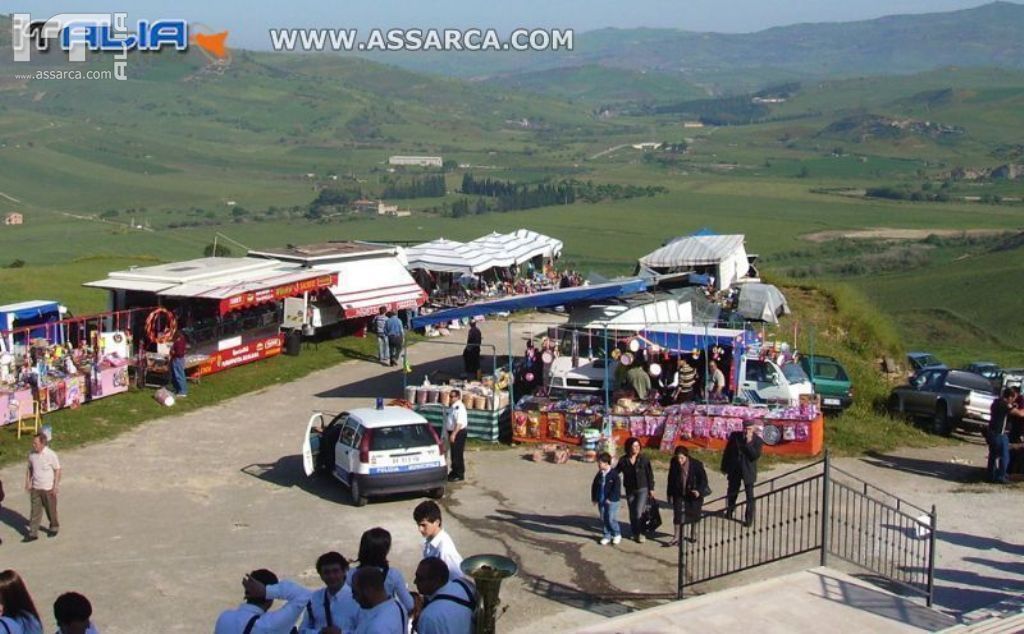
(998, 440)
(471, 353)
(739, 464)
(687, 486)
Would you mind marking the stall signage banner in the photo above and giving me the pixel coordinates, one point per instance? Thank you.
(239, 355)
(277, 293)
(368, 311)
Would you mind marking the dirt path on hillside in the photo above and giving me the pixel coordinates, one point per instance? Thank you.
(883, 233)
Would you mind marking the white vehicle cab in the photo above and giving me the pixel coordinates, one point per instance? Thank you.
(377, 452)
(774, 384)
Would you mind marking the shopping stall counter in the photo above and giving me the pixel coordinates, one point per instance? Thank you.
(798, 430)
(485, 424)
(59, 392)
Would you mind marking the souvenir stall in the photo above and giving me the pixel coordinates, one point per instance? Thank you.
(661, 423)
(786, 431)
(230, 309)
(487, 405)
(64, 363)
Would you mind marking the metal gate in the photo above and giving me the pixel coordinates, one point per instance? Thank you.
(818, 507)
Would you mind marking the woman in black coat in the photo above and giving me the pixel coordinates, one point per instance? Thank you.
(687, 486)
(638, 480)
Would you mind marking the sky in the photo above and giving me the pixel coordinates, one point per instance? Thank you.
(249, 20)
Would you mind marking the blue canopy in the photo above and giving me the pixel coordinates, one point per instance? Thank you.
(32, 312)
(559, 297)
(688, 339)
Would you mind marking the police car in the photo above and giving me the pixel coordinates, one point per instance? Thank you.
(377, 452)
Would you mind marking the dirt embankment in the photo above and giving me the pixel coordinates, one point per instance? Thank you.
(883, 233)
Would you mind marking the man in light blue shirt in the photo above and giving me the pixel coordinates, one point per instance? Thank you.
(253, 616)
(396, 336)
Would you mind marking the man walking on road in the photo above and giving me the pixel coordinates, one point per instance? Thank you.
(457, 427)
(42, 481)
(396, 337)
(739, 463)
(998, 441)
(380, 326)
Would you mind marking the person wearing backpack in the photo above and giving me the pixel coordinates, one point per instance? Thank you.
(445, 607)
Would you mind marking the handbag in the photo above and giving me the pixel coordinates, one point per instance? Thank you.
(705, 491)
(650, 520)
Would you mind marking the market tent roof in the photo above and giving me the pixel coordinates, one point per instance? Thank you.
(762, 302)
(114, 284)
(279, 280)
(448, 256)
(542, 245)
(693, 251)
(365, 285)
(546, 299)
(506, 248)
(687, 338)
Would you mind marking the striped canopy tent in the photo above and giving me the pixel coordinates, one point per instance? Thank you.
(448, 256)
(539, 243)
(505, 248)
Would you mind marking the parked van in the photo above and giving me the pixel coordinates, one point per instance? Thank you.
(377, 452)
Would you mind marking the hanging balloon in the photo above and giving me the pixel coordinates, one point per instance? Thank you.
(547, 357)
(529, 377)
(634, 345)
(616, 353)
(626, 358)
(655, 369)
(655, 348)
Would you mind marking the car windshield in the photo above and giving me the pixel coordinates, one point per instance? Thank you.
(794, 373)
(829, 371)
(401, 437)
(927, 360)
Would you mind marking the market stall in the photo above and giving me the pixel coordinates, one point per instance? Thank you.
(487, 406)
(61, 363)
(786, 431)
(230, 309)
(370, 277)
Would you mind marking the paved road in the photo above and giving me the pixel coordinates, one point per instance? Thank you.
(159, 525)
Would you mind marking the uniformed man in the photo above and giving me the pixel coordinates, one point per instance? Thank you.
(444, 607)
(380, 613)
(254, 616)
(332, 609)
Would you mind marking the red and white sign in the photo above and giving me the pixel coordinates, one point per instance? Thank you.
(277, 293)
(240, 355)
(368, 311)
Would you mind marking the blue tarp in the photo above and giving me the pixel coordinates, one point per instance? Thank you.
(687, 341)
(546, 299)
(31, 312)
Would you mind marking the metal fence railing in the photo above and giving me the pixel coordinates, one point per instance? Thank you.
(821, 508)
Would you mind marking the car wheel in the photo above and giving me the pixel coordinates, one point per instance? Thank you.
(941, 424)
(895, 407)
(358, 499)
(436, 494)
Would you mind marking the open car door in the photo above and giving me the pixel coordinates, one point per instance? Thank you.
(308, 450)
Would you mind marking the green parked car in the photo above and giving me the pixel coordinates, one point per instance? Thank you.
(831, 382)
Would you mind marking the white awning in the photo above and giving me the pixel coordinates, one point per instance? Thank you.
(226, 287)
(448, 256)
(539, 244)
(129, 285)
(364, 286)
(504, 249)
(695, 251)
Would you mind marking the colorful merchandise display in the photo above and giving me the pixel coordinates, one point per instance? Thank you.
(487, 405)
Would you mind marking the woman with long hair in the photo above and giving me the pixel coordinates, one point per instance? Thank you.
(638, 480)
(687, 486)
(374, 547)
(17, 610)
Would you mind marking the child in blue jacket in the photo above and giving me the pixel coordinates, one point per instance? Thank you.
(604, 492)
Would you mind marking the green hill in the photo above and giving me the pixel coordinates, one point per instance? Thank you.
(984, 36)
(601, 85)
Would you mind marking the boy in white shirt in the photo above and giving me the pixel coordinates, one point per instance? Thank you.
(332, 609)
(438, 543)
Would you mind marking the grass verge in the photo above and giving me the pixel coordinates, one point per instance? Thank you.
(106, 418)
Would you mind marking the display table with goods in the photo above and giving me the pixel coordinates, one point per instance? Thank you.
(797, 430)
(487, 406)
(59, 377)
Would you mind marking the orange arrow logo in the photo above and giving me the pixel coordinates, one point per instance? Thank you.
(212, 43)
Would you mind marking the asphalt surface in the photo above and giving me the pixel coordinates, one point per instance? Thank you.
(159, 525)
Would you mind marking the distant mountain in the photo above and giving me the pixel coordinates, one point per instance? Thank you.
(990, 35)
(601, 84)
